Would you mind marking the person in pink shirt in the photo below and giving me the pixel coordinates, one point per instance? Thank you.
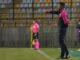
(36, 34)
(62, 29)
(78, 30)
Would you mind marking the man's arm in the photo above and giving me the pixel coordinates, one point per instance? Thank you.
(52, 12)
(65, 18)
(38, 29)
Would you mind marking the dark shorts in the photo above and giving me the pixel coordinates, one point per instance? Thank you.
(36, 37)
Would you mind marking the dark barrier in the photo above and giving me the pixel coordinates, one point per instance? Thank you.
(20, 37)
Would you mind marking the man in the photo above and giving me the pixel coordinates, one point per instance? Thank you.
(62, 28)
(36, 34)
(78, 27)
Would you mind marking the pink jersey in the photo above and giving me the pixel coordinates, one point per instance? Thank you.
(63, 15)
(35, 27)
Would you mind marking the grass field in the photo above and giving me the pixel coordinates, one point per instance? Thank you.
(31, 54)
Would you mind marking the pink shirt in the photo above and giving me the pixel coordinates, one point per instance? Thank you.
(63, 15)
(35, 27)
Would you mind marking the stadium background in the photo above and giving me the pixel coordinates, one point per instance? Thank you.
(16, 18)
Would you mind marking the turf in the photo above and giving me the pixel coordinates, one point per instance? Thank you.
(56, 53)
(29, 54)
(75, 53)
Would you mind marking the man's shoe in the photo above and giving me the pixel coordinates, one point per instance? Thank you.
(78, 49)
(68, 56)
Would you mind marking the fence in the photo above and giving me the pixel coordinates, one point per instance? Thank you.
(20, 37)
(16, 17)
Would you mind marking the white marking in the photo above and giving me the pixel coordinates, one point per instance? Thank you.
(78, 49)
(44, 54)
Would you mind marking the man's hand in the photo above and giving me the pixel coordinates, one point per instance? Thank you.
(35, 34)
(46, 11)
(66, 25)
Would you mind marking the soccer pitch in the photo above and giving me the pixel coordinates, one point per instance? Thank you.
(31, 54)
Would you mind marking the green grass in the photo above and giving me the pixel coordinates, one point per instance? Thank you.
(56, 53)
(29, 54)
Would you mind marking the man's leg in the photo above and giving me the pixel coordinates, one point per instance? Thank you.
(63, 43)
(79, 39)
(37, 42)
(62, 34)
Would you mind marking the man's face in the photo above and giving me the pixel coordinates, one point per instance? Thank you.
(33, 21)
(79, 23)
(60, 6)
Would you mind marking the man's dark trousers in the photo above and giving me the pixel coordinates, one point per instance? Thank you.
(62, 33)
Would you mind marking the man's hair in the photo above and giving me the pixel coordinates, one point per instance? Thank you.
(35, 19)
(78, 21)
(62, 4)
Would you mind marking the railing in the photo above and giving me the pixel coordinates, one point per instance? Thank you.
(27, 10)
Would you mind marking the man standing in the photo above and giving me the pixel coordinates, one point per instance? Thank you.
(62, 28)
(36, 34)
(78, 27)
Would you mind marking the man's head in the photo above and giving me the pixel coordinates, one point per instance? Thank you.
(34, 21)
(79, 22)
(61, 5)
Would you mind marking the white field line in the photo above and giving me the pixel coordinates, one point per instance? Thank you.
(44, 54)
(78, 49)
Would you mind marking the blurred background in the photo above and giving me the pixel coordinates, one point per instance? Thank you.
(16, 18)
